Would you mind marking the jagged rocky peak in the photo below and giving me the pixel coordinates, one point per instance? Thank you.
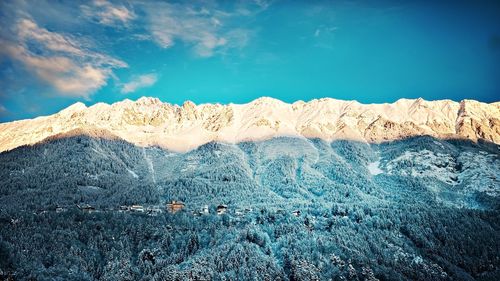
(188, 105)
(148, 100)
(149, 121)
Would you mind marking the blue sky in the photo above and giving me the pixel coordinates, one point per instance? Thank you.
(55, 53)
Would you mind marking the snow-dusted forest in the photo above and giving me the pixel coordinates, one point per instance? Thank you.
(297, 209)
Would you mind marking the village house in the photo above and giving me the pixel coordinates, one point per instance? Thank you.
(153, 211)
(201, 212)
(14, 221)
(137, 208)
(86, 208)
(40, 212)
(175, 206)
(221, 209)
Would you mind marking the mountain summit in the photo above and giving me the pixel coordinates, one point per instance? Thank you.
(148, 121)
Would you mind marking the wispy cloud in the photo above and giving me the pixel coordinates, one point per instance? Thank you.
(107, 13)
(59, 60)
(57, 44)
(3, 110)
(263, 4)
(206, 29)
(139, 82)
(171, 22)
(324, 30)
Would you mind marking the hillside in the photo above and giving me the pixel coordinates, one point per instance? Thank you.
(414, 209)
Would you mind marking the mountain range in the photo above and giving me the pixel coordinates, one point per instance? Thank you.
(323, 190)
(150, 122)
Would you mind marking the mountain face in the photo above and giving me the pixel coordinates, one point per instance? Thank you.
(149, 122)
(325, 190)
(281, 170)
(420, 208)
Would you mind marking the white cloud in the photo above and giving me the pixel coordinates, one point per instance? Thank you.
(108, 14)
(324, 30)
(139, 82)
(204, 28)
(29, 30)
(263, 4)
(171, 22)
(59, 60)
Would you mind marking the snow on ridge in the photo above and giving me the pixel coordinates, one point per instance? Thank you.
(466, 170)
(425, 163)
(133, 173)
(374, 169)
(148, 121)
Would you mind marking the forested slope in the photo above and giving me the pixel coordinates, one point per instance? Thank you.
(419, 209)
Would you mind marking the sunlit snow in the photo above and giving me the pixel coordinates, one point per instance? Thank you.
(374, 169)
(133, 173)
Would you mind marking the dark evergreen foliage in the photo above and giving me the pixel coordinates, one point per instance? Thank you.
(352, 225)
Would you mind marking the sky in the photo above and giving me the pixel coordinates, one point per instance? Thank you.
(56, 53)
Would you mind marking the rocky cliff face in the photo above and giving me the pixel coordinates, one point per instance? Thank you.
(148, 121)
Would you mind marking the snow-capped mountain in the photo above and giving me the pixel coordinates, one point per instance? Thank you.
(148, 121)
(400, 208)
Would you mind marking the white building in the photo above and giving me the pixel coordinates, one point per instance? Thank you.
(221, 209)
